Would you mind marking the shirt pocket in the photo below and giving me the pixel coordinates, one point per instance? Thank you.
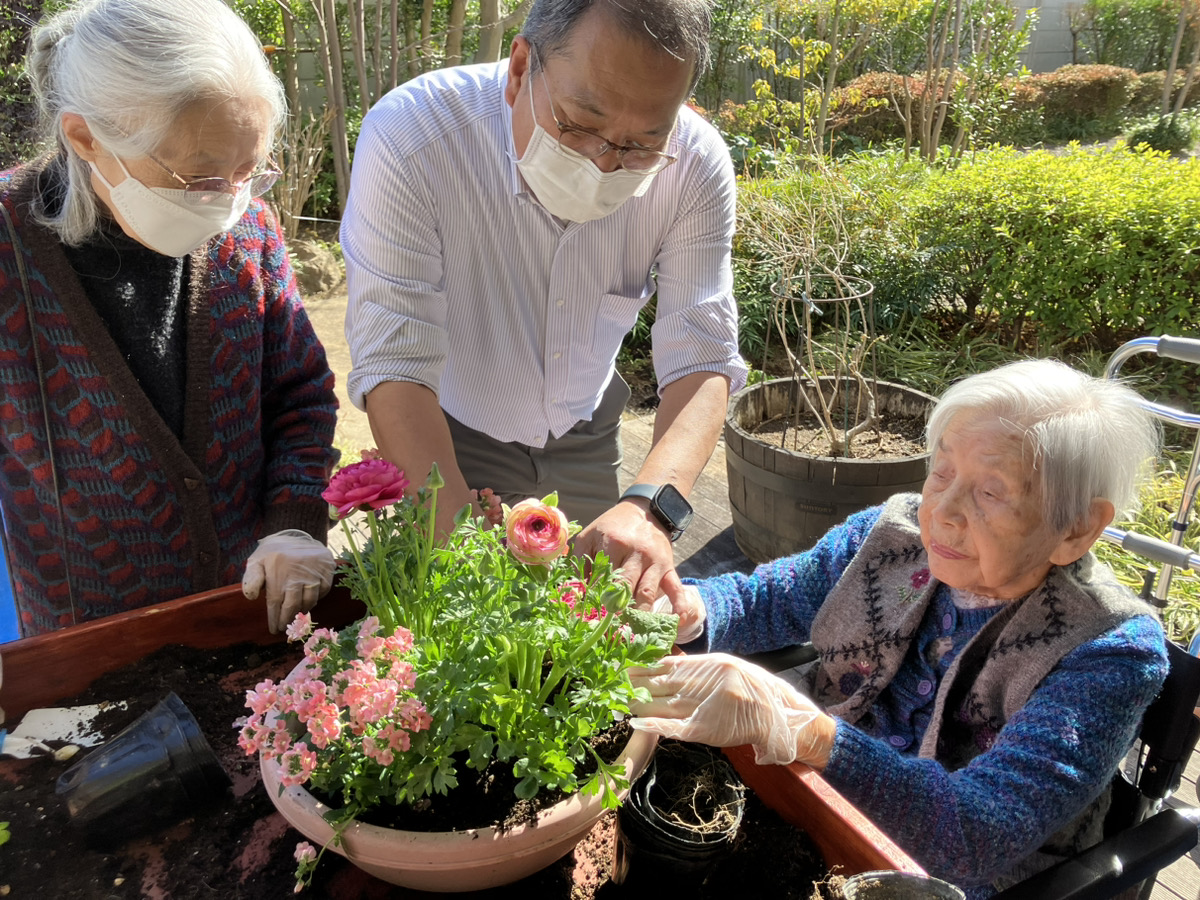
(615, 316)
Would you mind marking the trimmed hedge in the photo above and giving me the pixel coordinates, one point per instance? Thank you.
(1086, 245)
(1073, 102)
(1036, 250)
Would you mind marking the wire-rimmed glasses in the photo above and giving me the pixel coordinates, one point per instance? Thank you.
(202, 191)
(590, 145)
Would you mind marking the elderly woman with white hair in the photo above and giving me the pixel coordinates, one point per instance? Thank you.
(168, 412)
(980, 674)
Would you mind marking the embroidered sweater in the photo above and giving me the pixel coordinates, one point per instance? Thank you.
(970, 824)
(147, 516)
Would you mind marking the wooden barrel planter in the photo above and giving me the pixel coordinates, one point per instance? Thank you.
(783, 501)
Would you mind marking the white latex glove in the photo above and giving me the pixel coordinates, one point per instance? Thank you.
(725, 701)
(692, 613)
(297, 570)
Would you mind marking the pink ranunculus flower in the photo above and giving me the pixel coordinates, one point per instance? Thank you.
(305, 852)
(537, 534)
(370, 484)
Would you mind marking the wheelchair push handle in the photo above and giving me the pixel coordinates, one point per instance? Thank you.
(1183, 349)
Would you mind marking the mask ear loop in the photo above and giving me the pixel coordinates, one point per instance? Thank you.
(19, 254)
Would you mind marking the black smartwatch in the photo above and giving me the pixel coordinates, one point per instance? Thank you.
(666, 504)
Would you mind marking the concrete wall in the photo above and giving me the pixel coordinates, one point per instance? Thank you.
(1050, 44)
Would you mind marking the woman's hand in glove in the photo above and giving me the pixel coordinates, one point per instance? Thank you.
(725, 701)
(297, 570)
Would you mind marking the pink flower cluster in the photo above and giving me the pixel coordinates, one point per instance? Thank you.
(368, 699)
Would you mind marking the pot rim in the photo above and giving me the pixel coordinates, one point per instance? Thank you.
(737, 398)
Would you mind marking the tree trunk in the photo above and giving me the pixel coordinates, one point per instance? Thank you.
(335, 92)
(291, 78)
(1192, 66)
(358, 48)
(412, 46)
(1169, 81)
(492, 26)
(454, 32)
(427, 36)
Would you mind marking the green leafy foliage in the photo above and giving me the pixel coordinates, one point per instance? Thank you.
(1168, 134)
(1159, 501)
(1137, 34)
(515, 661)
(1094, 246)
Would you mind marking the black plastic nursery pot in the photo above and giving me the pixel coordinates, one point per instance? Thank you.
(157, 771)
(680, 818)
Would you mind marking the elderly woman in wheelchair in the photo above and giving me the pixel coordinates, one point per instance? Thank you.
(980, 675)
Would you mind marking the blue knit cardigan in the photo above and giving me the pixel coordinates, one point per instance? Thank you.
(147, 517)
(1052, 758)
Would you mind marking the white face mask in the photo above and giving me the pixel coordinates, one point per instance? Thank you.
(164, 221)
(570, 186)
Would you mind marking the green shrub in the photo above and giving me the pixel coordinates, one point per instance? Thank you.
(1084, 101)
(1087, 246)
(1168, 134)
(874, 193)
(1147, 95)
(1138, 34)
(1072, 103)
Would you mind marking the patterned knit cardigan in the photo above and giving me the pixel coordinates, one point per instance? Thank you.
(866, 625)
(146, 517)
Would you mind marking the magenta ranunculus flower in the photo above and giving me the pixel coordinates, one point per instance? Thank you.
(370, 484)
(537, 534)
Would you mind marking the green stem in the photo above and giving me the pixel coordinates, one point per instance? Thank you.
(383, 585)
(559, 670)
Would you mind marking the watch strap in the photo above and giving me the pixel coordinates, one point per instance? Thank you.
(640, 490)
(651, 492)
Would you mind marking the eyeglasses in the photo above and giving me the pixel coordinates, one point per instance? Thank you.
(590, 145)
(202, 191)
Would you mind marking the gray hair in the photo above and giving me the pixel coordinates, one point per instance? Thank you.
(678, 27)
(130, 68)
(1090, 437)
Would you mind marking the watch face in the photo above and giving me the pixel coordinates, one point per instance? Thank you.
(674, 506)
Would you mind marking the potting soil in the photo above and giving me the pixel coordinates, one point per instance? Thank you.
(240, 848)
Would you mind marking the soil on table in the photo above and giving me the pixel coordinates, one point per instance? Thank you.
(241, 848)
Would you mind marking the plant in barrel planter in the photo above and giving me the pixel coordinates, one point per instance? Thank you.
(491, 657)
(805, 451)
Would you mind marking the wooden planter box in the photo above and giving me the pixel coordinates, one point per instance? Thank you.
(43, 670)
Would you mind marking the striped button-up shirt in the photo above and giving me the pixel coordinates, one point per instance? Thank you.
(461, 281)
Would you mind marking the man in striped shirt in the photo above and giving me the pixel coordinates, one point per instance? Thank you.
(506, 224)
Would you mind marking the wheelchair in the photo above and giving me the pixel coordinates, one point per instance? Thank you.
(1143, 834)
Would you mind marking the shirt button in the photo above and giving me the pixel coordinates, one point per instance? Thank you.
(560, 302)
(191, 483)
(896, 741)
(924, 687)
(206, 558)
(557, 355)
(947, 622)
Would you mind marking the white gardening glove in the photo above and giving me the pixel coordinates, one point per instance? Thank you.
(692, 613)
(725, 701)
(297, 570)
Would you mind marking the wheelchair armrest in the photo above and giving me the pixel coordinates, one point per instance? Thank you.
(784, 658)
(1113, 865)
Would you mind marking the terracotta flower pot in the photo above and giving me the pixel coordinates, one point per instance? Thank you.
(468, 860)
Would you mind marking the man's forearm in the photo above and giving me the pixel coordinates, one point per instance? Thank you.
(410, 430)
(687, 424)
